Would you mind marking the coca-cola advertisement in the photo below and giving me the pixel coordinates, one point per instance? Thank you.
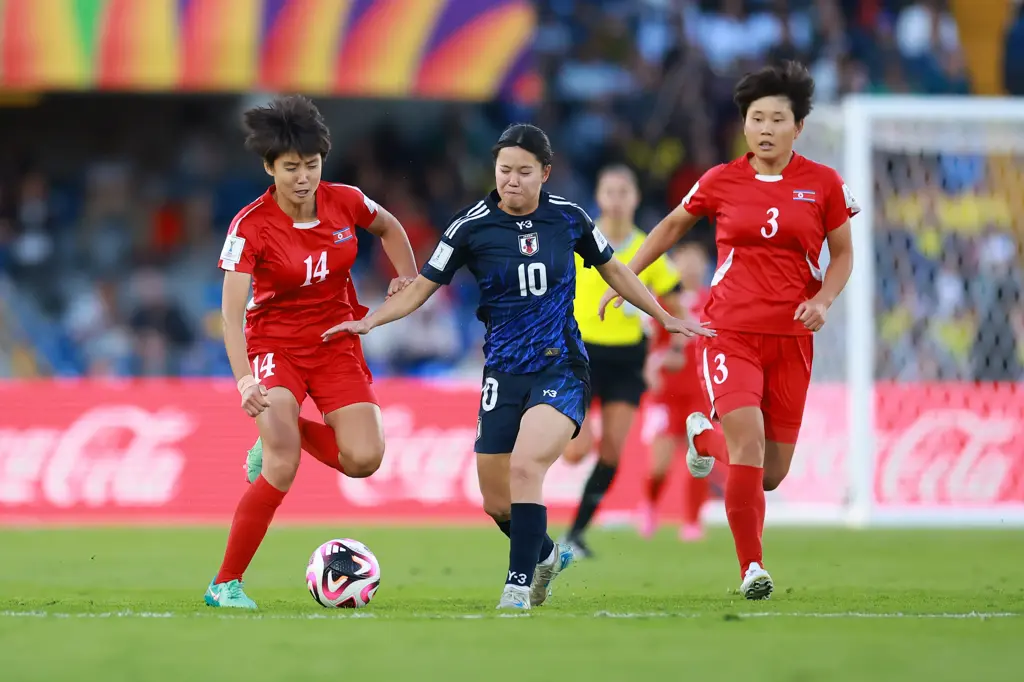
(173, 451)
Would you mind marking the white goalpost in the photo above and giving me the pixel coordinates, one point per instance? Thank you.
(916, 413)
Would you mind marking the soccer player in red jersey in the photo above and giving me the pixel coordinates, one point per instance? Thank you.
(772, 209)
(295, 246)
(677, 390)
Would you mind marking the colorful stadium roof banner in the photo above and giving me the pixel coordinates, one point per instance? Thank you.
(443, 49)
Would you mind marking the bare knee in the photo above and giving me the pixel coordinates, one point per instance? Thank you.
(524, 470)
(774, 472)
(500, 511)
(363, 459)
(281, 457)
(745, 442)
(778, 457)
(579, 447)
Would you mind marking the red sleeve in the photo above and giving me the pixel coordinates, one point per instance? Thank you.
(242, 245)
(840, 205)
(362, 208)
(701, 200)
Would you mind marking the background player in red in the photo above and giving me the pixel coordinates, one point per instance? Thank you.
(296, 245)
(677, 391)
(773, 209)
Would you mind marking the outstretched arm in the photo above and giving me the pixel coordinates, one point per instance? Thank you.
(394, 308)
(670, 230)
(624, 281)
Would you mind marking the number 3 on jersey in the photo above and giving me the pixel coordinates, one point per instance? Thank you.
(773, 224)
(533, 279)
(320, 272)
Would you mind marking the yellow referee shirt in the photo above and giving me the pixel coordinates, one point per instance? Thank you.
(622, 326)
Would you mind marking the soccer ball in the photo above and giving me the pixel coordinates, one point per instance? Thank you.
(343, 574)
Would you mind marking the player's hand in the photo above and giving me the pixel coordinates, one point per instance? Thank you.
(350, 327)
(397, 284)
(255, 400)
(812, 314)
(675, 326)
(609, 297)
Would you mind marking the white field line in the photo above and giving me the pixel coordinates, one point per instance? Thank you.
(343, 615)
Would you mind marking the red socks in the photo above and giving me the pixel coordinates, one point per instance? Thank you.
(711, 443)
(744, 506)
(253, 515)
(695, 494)
(318, 440)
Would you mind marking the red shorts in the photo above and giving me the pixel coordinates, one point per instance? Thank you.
(679, 402)
(769, 371)
(334, 374)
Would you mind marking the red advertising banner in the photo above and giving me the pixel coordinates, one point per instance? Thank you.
(173, 451)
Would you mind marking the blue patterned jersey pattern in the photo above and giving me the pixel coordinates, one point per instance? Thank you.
(526, 271)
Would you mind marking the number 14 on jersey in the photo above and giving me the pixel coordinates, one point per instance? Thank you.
(320, 271)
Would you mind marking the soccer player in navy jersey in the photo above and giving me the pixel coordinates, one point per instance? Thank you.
(519, 243)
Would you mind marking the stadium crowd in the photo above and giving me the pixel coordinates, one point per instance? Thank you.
(108, 254)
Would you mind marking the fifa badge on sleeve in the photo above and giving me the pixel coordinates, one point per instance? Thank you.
(232, 251)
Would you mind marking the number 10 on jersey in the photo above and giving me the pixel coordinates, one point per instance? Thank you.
(533, 279)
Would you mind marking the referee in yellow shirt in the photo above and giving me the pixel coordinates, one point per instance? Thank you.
(617, 346)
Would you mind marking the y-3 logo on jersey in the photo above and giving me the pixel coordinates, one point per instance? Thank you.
(525, 225)
(528, 244)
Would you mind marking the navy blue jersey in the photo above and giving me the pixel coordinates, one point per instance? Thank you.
(527, 275)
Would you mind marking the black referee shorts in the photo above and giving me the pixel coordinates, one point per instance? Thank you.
(617, 372)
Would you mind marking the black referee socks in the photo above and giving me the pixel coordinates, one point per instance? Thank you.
(593, 492)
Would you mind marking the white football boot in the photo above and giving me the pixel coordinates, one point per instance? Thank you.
(757, 584)
(515, 598)
(699, 465)
(540, 589)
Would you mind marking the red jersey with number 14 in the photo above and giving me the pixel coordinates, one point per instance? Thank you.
(301, 279)
(769, 230)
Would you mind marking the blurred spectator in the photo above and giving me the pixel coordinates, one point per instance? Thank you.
(162, 335)
(133, 221)
(926, 28)
(1013, 56)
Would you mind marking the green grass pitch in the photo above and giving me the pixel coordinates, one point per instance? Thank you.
(126, 604)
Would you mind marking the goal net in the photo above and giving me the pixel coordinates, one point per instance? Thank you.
(916, 412)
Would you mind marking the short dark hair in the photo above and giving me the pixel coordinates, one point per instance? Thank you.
(529, 137)
(287, 124)
(619, 168)
(789, 79)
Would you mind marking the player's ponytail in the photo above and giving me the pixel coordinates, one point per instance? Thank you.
(529, 137)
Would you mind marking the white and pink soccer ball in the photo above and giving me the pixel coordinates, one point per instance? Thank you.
(343, 574)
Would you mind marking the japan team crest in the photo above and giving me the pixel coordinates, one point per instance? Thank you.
(528, 244)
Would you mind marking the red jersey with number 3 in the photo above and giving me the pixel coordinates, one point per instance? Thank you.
(301, 272)
(769, 230)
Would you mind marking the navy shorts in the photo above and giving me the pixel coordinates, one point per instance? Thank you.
(505, 397)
